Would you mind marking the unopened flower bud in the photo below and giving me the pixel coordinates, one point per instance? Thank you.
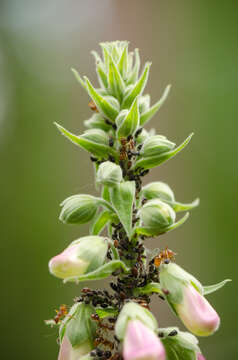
(81, 256)
(141, 343)
(157, 216)
(77, 332)
(155, 145)
(200, 357)
(158, 190)
(67, 352)
(96, 136)
(133, 311)
(78, 209)
(97, 122)
(185, 295)
(196, 313)
(109, 174)
(182, 344)
(121, 117)
(113, 101)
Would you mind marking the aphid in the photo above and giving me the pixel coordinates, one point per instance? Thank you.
(111, 158)
(123, 141)
(62, 312)
(131, 144)
(138, 132)
(123, 154)
(86, 290)
(93, 158)
(173, 333)
(92, 106)
(95, 317)
(101, 340)
(116, 243)
(111, 142)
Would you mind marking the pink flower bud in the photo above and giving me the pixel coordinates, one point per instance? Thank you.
(67, 352)
(197, 314)
(81, 256)
(67, 263)
(141, 343)
(200, 357)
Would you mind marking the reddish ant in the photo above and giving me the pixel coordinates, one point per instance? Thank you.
(165, 256)
(92, 106)
(62, 312)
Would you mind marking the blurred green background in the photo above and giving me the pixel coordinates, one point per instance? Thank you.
(193, 46)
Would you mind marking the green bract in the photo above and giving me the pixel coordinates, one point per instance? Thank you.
(78, 325)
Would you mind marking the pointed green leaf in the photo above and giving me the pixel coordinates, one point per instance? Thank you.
(133, 76)
(137, 89)
(153, 161)
(78, 77)
(122, 198)
(147, 115)
(99, 148)
(102, 272)
(102, 76)
(100, 222)
(212, 288)
(130, 124)
(150, 288)
(115, 82)
(153, 232)
(177, 206)
(104, 106)
(122, 63)
(178, 223)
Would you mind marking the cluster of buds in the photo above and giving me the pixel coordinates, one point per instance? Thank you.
(118, 324)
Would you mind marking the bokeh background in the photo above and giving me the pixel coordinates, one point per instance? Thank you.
(193, 46)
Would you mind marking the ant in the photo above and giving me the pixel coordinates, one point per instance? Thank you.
(62, 312)
(92, 106)
(164, 256)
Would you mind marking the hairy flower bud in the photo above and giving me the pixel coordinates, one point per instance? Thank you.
(113, 101)
(182, 345)
(155, 145)
(97, 122)
(109, 174)
(157, 216)
(141, 343)
(158, 190)
(81, 256)
(78, 209)
(185, 295)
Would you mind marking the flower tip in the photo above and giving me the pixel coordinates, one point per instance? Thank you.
(142, 343)
(197, 314)
(200, 357)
